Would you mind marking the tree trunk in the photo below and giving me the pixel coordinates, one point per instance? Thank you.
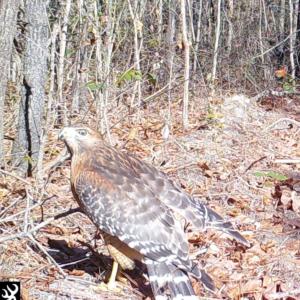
(171, 48)
(261, 45)
(197, 41)
(293, 28)
(8, 19)
(186, 44)
(216, 48)
(27, 143)
(282, 19)
(48, 113)
(62, 114)
(160, 20)
(230, 26)
(136, 12)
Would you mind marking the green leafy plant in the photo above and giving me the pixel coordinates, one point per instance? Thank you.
(69, 53)
(152, 78)
(288, 86)
(153, 43)
(93, 86)
(129, 75)
(271, 174)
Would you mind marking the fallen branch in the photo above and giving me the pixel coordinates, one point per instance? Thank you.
(39, 226)
(283, 120)
(287, 161)
(267, 93)
(15, 176)
(253, 163)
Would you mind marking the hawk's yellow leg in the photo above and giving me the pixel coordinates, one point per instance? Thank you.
(111, 285)
(123, 258)
(112, 279)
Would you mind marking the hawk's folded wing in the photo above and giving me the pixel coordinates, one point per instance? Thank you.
(126, 208)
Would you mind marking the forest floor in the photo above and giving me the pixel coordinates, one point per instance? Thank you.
(236, 157)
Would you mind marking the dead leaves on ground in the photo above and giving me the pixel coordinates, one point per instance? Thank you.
(267, 213)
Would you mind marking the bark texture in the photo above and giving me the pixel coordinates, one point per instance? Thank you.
(8, 18)
(27, 143)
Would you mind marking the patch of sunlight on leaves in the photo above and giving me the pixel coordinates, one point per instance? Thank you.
(213, 116)
(271, 174)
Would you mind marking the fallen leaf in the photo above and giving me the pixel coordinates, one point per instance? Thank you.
(53, 230)
(132, 134)
(76, 272)
(251, 286)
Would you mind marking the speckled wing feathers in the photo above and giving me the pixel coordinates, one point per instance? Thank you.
(194, 211)
(134, 216)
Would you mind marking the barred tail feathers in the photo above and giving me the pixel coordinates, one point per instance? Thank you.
(202, 217)
(180, 286)
(214, 220)
(203, 277)
(155, 273)
(166, 279)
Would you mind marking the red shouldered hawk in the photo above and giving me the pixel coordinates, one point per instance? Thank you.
(134, 204)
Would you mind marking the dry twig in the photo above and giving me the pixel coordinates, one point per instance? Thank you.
(39, 226)
(282, 120)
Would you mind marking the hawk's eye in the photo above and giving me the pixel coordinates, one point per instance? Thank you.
(82, 132)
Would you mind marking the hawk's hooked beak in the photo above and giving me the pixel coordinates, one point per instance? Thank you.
(64, 133)
(61, 135)
(64, 136)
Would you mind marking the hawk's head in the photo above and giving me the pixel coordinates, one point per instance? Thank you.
(79, 138)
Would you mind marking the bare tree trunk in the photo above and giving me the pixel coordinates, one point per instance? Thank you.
(171, 36)
(76, 83)
(191, 21)
(293, 29)
(261, 12)
(100, 77)
(8, 24)
(216, 48)
(282, 19)
(104, 55)
(62, 113)
(160, 20)
(86, 40)
(265, 15)
(186, 44)
(197, 42)
(111, 12)
(210, 17)
(27, 144)
(296, 42)
(230, 26)
(49, 115)
(136, 12)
